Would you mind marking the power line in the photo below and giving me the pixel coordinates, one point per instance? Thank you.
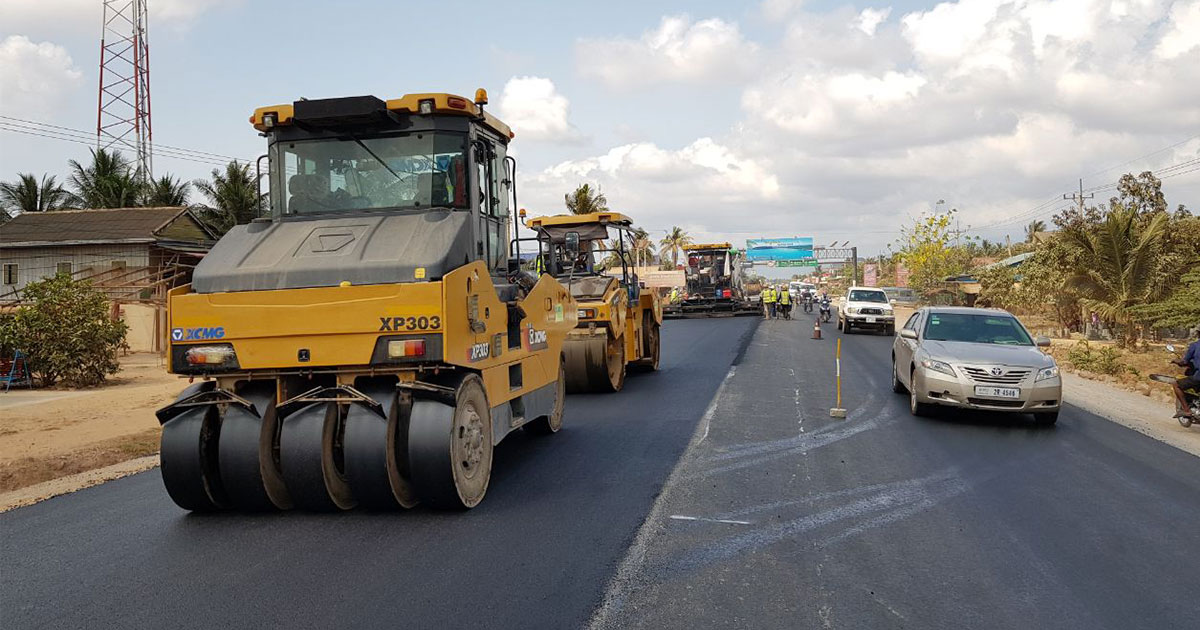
(70, 134)
(1139, 159)
(91, 142)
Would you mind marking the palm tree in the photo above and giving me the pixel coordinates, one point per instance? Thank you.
(672, 243)
(1033, 228)
(1116, 266)
(586, 200)
(167, 191)
(109, 182)
(27, 195)
(232, 196)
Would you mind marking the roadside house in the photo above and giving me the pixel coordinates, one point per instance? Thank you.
(133, 255)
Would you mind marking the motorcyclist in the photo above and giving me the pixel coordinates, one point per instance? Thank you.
(1191, 378)
(824, 302)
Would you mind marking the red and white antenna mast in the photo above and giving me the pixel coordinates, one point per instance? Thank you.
(123, 113)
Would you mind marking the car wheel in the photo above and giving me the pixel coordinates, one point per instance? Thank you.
(1046, 419)
(916, 407)
(897, 386)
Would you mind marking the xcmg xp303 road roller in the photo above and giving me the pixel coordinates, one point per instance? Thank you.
(371, 341)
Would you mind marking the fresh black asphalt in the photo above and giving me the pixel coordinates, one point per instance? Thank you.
(560, 513)
(784, 518)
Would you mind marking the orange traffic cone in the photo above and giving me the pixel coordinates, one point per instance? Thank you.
(816, 329)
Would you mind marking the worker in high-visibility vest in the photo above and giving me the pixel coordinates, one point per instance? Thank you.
(785, 303)
(539, 264)
(768, 297)
(674, 295)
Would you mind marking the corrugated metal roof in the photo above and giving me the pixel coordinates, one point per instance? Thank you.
(87, 226)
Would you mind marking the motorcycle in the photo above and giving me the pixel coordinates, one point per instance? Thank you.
(1191, 395)
(825, 312)
(808, 303)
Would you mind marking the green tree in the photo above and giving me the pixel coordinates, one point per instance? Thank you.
(64, 328)
(1116, 266)
(1142, 194)
(26, 194)
(1181, 309)
(925, 248)
(167, 191)
(108, 182)
(672, 244)
(585, 200)
(232, 197)
(1033, 228)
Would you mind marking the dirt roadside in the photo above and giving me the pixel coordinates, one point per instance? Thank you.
(48, 434)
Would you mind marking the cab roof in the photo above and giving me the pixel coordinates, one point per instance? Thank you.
(610, 218)
(702, 246)
(442, 103)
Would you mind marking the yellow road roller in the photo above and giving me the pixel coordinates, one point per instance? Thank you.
(371, 341)
(619, 321)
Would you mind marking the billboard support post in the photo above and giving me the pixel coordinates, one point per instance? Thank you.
(854, 266)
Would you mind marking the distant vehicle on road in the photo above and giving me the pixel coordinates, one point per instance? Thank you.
(866, 307)
(900, 295)
(974, 358)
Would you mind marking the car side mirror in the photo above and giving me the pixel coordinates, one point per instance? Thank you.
(892, 301)
(1042, 341)
(908, 334)
(571, 243)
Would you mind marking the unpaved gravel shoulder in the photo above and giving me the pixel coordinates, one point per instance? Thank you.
(65, 485)
(1143, 414)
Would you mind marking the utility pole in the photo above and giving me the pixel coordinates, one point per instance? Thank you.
(1080, 197)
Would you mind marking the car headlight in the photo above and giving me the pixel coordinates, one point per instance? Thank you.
(851, 310)
(938, 366)
(1046, 373)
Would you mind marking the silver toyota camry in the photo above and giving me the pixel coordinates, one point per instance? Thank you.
(974, 358)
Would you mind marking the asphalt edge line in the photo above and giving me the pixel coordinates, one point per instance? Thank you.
(29, 495)
(635, 557)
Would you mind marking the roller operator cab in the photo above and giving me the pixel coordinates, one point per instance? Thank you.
(619, 321)
(370, 341)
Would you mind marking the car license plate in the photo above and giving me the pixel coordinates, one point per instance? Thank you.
(997, 392)
(870, 320)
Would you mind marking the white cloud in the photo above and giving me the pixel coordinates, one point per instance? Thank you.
(679, 50)
(854, 120)
(1183, 35)
(535, 109)
(870, 19)
(34, 77)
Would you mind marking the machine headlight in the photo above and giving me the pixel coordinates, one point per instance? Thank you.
(203, 359)
(587, 313)
(1045, 373)
(210, 355)
(938, 366)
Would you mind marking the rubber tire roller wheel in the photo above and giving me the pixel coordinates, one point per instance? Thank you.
(450, 447)
(546, 425)
(188, 455)
(376, 457)
(308, 451)
(247, 453)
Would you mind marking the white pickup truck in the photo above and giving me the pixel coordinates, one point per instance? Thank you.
(866, 307)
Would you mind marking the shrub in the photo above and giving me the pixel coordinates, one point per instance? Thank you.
(1101, 360)
(66, 332)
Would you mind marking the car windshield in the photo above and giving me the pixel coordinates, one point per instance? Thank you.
(352, 173)
(868, 296)
(972, 328)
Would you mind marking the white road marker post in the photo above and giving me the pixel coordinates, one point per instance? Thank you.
(838, 411)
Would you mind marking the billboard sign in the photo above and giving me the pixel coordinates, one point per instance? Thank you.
(798, 248)
(870, 275)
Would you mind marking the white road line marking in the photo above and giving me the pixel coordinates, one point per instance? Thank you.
(712, 406)
(680, 517)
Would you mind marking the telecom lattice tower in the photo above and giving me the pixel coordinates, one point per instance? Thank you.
(123, 113)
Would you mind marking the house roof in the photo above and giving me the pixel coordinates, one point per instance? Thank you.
(99, 227)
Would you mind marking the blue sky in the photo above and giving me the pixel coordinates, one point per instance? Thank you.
(823, 118)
